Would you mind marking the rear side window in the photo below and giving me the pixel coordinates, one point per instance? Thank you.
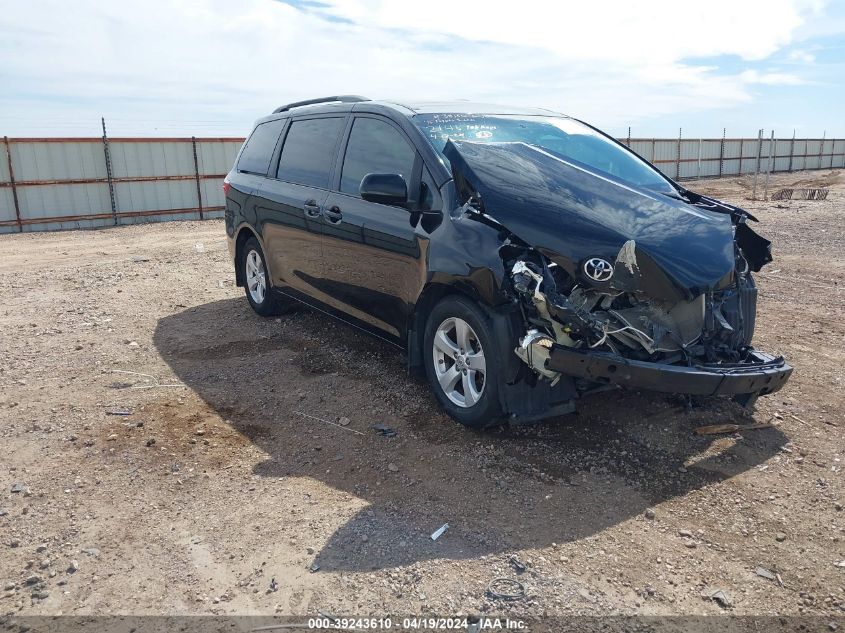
(259, 148)
(309, 151)
(375, 147)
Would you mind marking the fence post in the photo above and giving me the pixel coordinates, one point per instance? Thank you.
(821, 148)
(678, 155)
(109, 171)
(12, 183)
(791, 151)
(629, 137)
(769, 166)
(722, 152)
(832, 149)
(197, 174)
(699, 158)
(757, 163)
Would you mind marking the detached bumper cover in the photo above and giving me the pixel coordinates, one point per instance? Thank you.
(760, 375)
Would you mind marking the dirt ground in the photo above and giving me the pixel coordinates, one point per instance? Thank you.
(235, 485)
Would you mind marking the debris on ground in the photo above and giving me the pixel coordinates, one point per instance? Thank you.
(720, 597)
(517, 564)
(18, 487)
(118, 411)
(274, 586)
(383, 430)
(765, 573)
(439, 531)
(810, 193)
(340, 426)
(721, 429)
(505, 589)
(148, 381)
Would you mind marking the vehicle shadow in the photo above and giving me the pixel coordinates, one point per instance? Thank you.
(500, 490)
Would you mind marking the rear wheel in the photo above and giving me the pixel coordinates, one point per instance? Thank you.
(259, 293)
(462, 363)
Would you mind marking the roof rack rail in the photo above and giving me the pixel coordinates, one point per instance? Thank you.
(340, 98)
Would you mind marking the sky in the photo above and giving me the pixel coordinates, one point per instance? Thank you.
(210, 68)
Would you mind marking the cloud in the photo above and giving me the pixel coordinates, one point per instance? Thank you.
(770, 78)
(802, 56)
(210, 66)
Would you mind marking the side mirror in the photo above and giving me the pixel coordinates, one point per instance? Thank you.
(389, 189)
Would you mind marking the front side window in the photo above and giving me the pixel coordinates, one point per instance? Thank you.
(255, 158)
(565, 137)
(309, 151)
(375, 147)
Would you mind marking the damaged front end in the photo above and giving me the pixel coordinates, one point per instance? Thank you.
(618, 285)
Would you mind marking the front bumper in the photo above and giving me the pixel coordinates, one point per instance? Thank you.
(760, 375)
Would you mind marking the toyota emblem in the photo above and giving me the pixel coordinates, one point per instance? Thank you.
(598, 269)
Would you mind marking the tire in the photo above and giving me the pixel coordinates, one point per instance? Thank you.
(452, 362)
(257, 286)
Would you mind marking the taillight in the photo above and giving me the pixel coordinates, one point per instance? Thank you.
(226, 187)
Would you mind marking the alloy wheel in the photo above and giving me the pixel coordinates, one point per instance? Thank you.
(459, 363)
(256, 280)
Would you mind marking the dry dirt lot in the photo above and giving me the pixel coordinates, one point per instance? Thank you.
(216, 496)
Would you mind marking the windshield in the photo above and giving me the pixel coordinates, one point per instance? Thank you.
(565, 137)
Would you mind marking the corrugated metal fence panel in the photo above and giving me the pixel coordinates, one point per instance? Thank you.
(782, 150)
(839, 153)
(7, 209)
(665, 150)
(710, 148)
(749, 156)
(814, 148)
(4, 165)
(156, 196)
(798, 154)
(216, 157)
(70, 206)
(154, 158)
(643, 147)
(731, 160)
(78, 160)
(689, 149)
(212, 192)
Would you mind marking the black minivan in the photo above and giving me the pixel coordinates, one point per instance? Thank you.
(522, 257)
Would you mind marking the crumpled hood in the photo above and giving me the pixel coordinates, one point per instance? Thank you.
(572, 214)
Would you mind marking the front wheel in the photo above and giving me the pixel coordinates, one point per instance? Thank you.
(462, 363)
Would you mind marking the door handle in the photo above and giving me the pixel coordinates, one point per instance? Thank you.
(333, 214)
(312, 209)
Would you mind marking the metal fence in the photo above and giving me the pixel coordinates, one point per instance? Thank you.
(682, 159)
(66, 183)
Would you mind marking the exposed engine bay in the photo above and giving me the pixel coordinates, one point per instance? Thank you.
(713, 327)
